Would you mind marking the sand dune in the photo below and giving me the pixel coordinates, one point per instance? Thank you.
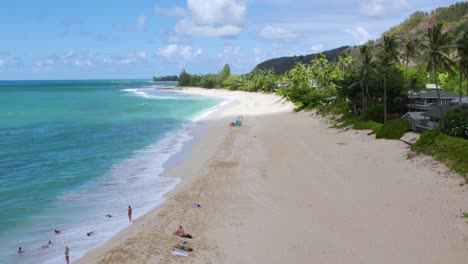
(285, 188)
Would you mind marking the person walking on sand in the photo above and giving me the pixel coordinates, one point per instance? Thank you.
(67, 255)
(129, 213)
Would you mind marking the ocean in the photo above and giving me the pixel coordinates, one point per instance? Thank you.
(72, 152)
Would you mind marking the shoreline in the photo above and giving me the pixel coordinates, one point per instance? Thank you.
(238, 176)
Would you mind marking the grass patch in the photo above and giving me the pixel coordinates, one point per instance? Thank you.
(393, 129)
(453, 151)
(374, 126)
(464, 215)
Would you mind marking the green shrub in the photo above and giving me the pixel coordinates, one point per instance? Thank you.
(456, 122)
(453, 151)
(393, 129)
(231, 82)
(374, 126)
(374, 113)
(346, 119)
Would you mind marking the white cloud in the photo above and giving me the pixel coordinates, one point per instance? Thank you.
(168, 51)
(141, 23)
(83, 62)
(174, 11)
(134, 57)
(185, 52)
(2, 63)
(187, 27)
(174, 51)
(213, 18)
(73, 58)
(230, 51)
(217, 12)
(139, 26)
(198, 53)
(277, 33)
(316, 48)
(43, 64)
(141, 54)
(359, 33)
(382, 7)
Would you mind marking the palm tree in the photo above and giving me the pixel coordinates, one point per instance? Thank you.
(344, 60)
(409, 52)
(366, 67)
(436, 52)
(462, 51)
(389, 56)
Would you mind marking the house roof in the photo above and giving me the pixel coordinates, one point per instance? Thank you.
(432, 86)
(433, 94)
(413, 115)
(435, 112)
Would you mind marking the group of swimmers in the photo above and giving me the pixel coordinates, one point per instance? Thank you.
(91, 233)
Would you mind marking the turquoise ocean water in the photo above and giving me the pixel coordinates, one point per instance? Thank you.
(73, 151)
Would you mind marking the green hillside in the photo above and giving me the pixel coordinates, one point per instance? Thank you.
(455, 18)
(283, 64)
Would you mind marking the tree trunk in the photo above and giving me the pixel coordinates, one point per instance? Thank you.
(460, 85)
(367, 92)
(438, 94)
(385, 94)
(362, 96)
(406, 73)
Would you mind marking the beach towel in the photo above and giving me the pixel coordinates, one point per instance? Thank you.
(177, 252)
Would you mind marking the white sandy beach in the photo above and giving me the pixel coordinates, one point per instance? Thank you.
(286, 188)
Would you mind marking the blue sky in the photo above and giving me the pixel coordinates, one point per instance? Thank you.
(66, 39)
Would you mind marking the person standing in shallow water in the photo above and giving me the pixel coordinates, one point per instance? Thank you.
(67, 255)
(129, 213)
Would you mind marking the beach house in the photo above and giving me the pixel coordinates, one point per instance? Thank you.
(424, 112)
(423, 100)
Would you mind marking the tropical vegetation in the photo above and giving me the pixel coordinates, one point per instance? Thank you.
(169, 78)
(452, 151)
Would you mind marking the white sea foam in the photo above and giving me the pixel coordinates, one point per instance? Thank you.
(151, 93)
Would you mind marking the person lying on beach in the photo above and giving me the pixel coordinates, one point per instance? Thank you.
(57, 231)
(91, 233)
(46, 246)
(180, 232)
(184, 248)
(20, 250)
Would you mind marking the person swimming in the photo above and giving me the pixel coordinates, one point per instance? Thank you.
(46, 246)
(57, 231)
(20, 250)
(91, 233)
(108, 215)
